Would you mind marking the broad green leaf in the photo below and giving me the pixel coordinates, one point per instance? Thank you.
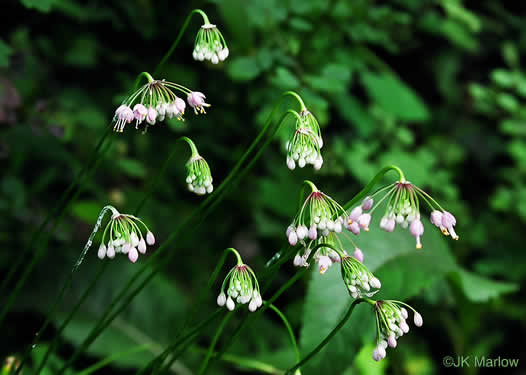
(87, 211)
(404, 273)
(481, 289)
(243, 68)
(395, 97)
(132, 167)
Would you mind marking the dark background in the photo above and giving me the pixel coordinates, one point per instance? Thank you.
(436, 87)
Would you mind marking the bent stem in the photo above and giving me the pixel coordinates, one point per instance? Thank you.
(222, 325)
(324, 342)
(178, 38)
(362, 194)
(289, 330)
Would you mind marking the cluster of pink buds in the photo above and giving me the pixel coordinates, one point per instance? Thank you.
(318, 217)
(359, 218)
(155, 101)
(306, 142)
(241, 286)
(210, 45)
(125, 236)
(403, 208)
(391, 325)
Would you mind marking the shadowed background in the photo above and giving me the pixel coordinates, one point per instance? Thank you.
(435, 87)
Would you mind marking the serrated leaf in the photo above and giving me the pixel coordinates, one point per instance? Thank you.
(481, 289)
(395, 97)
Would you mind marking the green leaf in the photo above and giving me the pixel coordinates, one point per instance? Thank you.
(40, 5)
(285, 79)
(395, 97)
(5, 51)
(87, 211)
(404, 273)
(244, 68)
(132, 167)
(481, 289)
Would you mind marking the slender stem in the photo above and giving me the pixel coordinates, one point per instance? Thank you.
(139, 77)
(372, 183)
(178, 38)
(244, 362)
(324, 342)
(102, 363)
(222, 325)
(311, 185)
(289, 330)
(193, 149)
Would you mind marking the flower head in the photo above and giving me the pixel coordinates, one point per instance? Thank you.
(242, 287)
(210, 45)
(403, 208)
(391, 325)
(318, 216)
(125, 234)
(306, 142)
(153, 102)
(358, 279)
(198, 175)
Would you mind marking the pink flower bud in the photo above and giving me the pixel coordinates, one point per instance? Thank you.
(150, 239)
(180, 105)
(367, 203)
(391, 340)
(436, 218)
(139, 111)
(358, 254)
(293, 238)
(151, 116)
(133, 255)
(355, 214)
(417, 318)
(142, 246)
(313, 232)
(364, 221)
(324, 262)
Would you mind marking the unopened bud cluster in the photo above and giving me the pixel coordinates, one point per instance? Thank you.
(125, 236)
(306, 142)
(391, 324)
(241, 287)
(318, 217)
(210, 45)
(154, 101)
(198, 175)
(358, 279)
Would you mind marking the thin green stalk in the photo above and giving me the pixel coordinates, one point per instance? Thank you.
(62, 206)
(248, 363)
(104, 362)
(178, 39)
(363, 193)
(289, 330)
(324, 342)
(108, 317)
(224, 322)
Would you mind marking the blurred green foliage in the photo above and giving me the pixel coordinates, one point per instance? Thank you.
(434, 86)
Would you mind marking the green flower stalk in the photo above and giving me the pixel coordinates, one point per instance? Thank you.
(155, 101)
(306, 142)
(391, 325)
(241, 286)
(210, 44)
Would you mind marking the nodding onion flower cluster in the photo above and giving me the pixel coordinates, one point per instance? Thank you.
(325, 256)
(242, 288)
(319, 216)
(403, 208)
(125, 236)
(306, 142)
(154, 101)
(210, 45)
(391, 325)
(358, 279)
(198, 175)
